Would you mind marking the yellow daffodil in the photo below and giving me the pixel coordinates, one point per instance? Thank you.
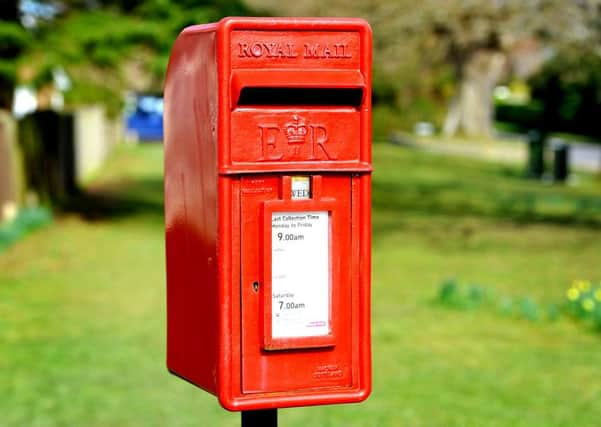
(588, 304)
(573, 294)
(583, 285)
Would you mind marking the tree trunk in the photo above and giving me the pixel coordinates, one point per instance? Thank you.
(471, 110)
(7, 89)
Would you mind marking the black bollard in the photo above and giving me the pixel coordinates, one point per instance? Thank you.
(560, 159)
(536, 150)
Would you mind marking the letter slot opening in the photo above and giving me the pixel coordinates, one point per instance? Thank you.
(280, 96)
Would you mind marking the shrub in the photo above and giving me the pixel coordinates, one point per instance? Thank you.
(28, 220)
(584, 301)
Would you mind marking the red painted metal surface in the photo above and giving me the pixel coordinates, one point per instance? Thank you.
(249, 104)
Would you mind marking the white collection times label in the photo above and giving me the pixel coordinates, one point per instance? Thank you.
(300, 274)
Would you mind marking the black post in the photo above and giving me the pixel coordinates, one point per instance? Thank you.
(560, 160)
(536, 150)
(260, 418)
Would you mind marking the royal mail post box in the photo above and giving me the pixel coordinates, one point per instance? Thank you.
(267, 210)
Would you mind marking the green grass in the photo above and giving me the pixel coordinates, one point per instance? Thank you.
(82, 307)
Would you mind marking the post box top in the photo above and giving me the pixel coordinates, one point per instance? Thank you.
(293, 93)
(291, 43)
(283, 23)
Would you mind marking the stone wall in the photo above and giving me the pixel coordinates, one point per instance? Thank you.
(95, 136)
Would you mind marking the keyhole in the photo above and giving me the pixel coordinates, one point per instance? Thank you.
(256, 286)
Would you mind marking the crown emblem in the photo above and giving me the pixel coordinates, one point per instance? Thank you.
(296, 131)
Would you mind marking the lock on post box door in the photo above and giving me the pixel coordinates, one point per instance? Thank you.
(267, 210)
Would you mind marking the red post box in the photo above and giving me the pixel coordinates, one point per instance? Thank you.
(267, 210)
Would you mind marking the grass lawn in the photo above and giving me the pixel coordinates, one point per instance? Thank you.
(82, 304)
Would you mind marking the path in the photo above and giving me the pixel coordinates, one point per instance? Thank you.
(585, 156)
(582, 156)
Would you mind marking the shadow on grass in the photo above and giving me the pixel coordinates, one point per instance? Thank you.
(453, 199)
(116, 200)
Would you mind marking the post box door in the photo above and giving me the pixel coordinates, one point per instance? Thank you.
(296, 291)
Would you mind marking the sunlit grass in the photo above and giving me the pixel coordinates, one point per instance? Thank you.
(82, 307)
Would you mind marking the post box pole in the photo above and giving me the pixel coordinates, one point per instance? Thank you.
(260, 418)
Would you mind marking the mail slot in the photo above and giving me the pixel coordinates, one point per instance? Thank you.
(267, 210)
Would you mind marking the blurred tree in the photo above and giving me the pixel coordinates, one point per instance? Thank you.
(569, 85)
(569, 88)
(14, 39)
(457, 50)
(110, 46)
(486, 40)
